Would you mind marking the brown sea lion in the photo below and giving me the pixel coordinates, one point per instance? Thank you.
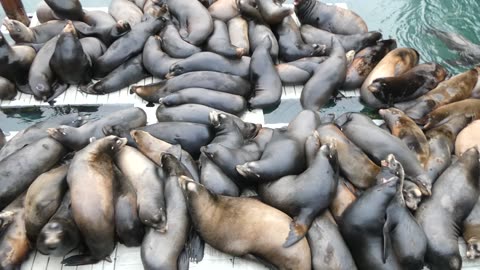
(468, 138)
(91, 176)
(238, 32)
(393, 64)
(344, 197)
(249, 237)
(7, 89)
(467, 107)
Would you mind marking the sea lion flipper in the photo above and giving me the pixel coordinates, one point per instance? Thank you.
(196, 246)
(82, 259)
(183, 261)
(386, 239)
(298, 228)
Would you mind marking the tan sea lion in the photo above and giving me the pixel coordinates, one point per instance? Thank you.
(468, 138)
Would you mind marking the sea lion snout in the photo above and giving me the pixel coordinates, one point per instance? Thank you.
(473, 250)
(187, 184)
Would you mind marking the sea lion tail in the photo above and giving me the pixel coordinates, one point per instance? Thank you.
(82, 259)
(297, 232)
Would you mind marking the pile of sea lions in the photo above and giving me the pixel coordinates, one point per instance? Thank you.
(324, 192)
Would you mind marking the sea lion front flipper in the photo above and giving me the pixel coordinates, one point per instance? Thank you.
(196, 246)
(386, 239)
(58, 89)
(82, 259)
(299, 227)
(183, 261)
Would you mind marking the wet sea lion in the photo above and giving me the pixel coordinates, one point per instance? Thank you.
(299, 72)
(268, 86)
(150, 198)
(378, 143)
(224, 10)
(249, 10)
(7, 89)
(43, 198)
(18, 170)
(93, 48)
(174, 45)
(452, 90)
(319, 179)
(326, 79)
(208, 61)
(354, 164)
(329, 17)
(93, 167)
(471, 232)
(409, 85)
(195, 22)
(273, 12)
(248, 238)
(393, 64)
(127, 46)
(98, 18)
(238, 32)
(201, 79)
(467, 107)
(442, 221)
(468, 52)
(152, 8)
(344, 197)
(328, 248)
(403, 127)
(467, 138)
(125, 10)
(233, 104)
(45, 13)
(60, 235)
(365, 61)
(66, 9)
(257, 32)
(219, 42)
(291, 45)
(155, 60)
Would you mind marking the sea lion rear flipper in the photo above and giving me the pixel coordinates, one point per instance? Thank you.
(82, 259)
(299, 228)
(196, 246)
(183, 261)
(386, 239)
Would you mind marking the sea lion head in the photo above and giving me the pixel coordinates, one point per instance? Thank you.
(378, 87)
(114, 143)
(18, 31)
(51, 238)
(217, 119)
(473, 249)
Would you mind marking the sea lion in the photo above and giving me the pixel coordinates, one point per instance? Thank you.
(442, 221)
(326, 79)
(91, 176)
(174, 45)
(331, 18)
(219, 42)
(250, 237)
(467, 138)
(43, 198)
(407, 238)
(354, 164)
(378, 143)
(125, 10)
(229, 103)
(403, 127)
(273, 12)
(18, 170)
(291, 45)
(60, 235)
(93, 48)
(320, 179)
(208, 61)
(468, 52)
(224, 10)
(124, 75)
(66, 9)
(363, 224)
(268, 86)
(152, 148)
(393, 64)
(467, 107)
(298, 72)
(410, 85)
(152, 8)
(365, 61)
(155, 60)
(201, 79)
(162, 250)
(45, 13)
(455, 89)
(147, 180)
(78, 138)
(344, 197)
(238, 33)
(471, 232)
(195, 22)
(7, 90)
(190, 136)
(257, 32)
(249, 10)
(328, 248)
(127, 46)
(98, 18)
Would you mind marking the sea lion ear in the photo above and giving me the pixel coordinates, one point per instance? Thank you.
(92, 139)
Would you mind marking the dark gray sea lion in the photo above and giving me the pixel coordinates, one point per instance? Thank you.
(299, 72)
(229, 103)
(442, 221)
(43, 198)
(311, 194)
(91, 176)
(66, 9)
(257, 32)
(93, 48)
(273, 12)
(125, 10)
(123, 76)
(379, 143)
(78, 138)
(201, 79)
(18, 170)
(365, 61)
(7, 89)
(326, 79)
(252, 223)
(393, 64)
(238, 32)
(128, 45)
(155, 60)
(195, 22)
(268, 86)
(60, 235)
(224, 10)
(208, 61)
(219, 42)
(249, 10)
(174, 45)
(409, 85)
(98, 18)
(45, 13)
(329, 17)
(468, 107)
(147, 180)
(291, 45)
(468, 52)
(471, 231)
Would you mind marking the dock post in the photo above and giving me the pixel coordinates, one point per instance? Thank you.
(15, 11)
